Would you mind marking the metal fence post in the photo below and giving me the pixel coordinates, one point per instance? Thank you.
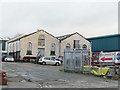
(90, 60)
(100, 68)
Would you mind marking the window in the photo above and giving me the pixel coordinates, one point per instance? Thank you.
(29, 49)
(41, 40)
(76, 44)
(10, 48)
(47, 58)
(3, 45)
(84, 47)
(53, 58)
(67, 45)
(41, 52)
(52, 49)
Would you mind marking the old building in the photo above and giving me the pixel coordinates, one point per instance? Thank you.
(45, 43)
(108, 43)
(73, 41)
(14, 46)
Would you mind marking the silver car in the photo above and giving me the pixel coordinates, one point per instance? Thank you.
(49, 60)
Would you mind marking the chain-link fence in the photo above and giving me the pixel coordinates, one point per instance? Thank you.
(77, 60)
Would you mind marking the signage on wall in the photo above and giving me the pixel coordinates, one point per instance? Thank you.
(118, 56)
(107, 57)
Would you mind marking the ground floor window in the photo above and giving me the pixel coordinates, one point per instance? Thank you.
(67, 46)
(41, 52)
(84, 47)
(52, 53)
(53, 48)
(29, 49)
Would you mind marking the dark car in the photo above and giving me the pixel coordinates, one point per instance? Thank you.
(3, 58)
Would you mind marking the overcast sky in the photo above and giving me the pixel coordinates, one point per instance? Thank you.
(90, 19)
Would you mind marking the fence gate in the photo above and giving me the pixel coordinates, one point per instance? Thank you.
(76, 60)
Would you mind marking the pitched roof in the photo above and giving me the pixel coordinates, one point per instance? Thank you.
(68, 35)
(59, 37)
(38, 31)
(16, 38)
(106, 36)
(4, 39)
(31, 34)
(64, 36)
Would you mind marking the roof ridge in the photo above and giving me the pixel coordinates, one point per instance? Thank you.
(103, 36)
(65, 35)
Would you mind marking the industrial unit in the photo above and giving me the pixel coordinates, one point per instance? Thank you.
(108, 43)
(3, 46)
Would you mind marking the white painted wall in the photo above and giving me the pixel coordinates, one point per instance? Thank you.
(34, 40)
(71, 39)
(16, 46)
(22, 44)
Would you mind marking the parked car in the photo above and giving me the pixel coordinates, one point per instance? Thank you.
(9, 58)
(59, 59)
(3, 58)
(49, 60)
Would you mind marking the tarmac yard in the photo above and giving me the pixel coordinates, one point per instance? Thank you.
(28, 75)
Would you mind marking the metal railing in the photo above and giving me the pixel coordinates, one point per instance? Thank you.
(77, 60)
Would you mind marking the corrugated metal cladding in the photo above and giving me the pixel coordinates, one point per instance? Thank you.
(105, 43)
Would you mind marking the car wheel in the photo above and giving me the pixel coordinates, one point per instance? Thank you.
(43, 63)
(57, 64)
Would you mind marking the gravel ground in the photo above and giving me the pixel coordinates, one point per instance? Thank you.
(28, 75)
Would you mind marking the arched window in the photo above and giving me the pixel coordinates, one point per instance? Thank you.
(29, 48)
(84, 47)
(53, 48)
(41, 40)
(67, 45)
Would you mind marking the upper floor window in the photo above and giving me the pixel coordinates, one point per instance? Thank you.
(10, 47)
(41, 40)
(29, 49)
(13, 47)
(67, 45)
(76, 44)
(53, 47)
(84, 47)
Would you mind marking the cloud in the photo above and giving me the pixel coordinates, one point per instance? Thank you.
(89, 19)
(59, 1)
